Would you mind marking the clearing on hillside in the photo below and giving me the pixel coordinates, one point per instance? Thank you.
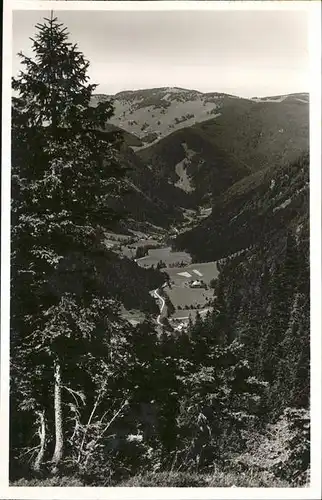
(165, 255)
(208, 271)
(183, 295)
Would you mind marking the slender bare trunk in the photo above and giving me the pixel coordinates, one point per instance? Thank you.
(59, 434)
(42, 436)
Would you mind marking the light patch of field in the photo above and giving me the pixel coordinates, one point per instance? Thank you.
(146, 241)
(279, 98)
(116, 236)
(189, 152)
(138, 116)
(205, 212)
(128, 252)
(115, 239)
(302, 100)
(181, 170)
(283, 205)
(207, 269)
(197, 272)
(184, 181)
(181, 295)
(133, 316)
(185, 274)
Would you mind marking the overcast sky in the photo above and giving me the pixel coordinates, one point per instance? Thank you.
(245, 53)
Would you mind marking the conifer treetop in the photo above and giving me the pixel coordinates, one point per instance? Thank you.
(54, 90)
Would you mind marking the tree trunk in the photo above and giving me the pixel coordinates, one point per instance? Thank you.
(59, 434)
(42, 436)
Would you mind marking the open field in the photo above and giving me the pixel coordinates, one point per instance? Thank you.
(185, 296)
(190, 300)
(181, 295)
(157, 254)
(205, 271)
(133, 316)
(114, 240)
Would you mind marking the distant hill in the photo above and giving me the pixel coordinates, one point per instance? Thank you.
(186, 148)
(151, 114)
(248, 136)
(259, 134)
(301, 97)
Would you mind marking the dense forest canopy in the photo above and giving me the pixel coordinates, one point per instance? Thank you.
(98, 401)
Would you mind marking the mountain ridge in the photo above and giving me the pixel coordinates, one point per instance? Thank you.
(184, 159)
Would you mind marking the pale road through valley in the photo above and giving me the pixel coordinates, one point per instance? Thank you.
(157, 296)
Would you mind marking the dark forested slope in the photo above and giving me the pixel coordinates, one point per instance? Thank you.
(264, 133)
(147, 197)
(250, 211)
(262, 300)
(210, 169)
(266, 292)
(130, 284)
(244, 137)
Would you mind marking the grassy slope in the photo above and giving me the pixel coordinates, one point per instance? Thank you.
(161, 111)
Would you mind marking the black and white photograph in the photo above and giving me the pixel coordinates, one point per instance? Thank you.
(160, 166)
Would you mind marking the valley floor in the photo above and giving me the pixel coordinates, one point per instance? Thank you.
(187, 286)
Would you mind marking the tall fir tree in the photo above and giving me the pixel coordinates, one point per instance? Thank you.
(65, 176)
